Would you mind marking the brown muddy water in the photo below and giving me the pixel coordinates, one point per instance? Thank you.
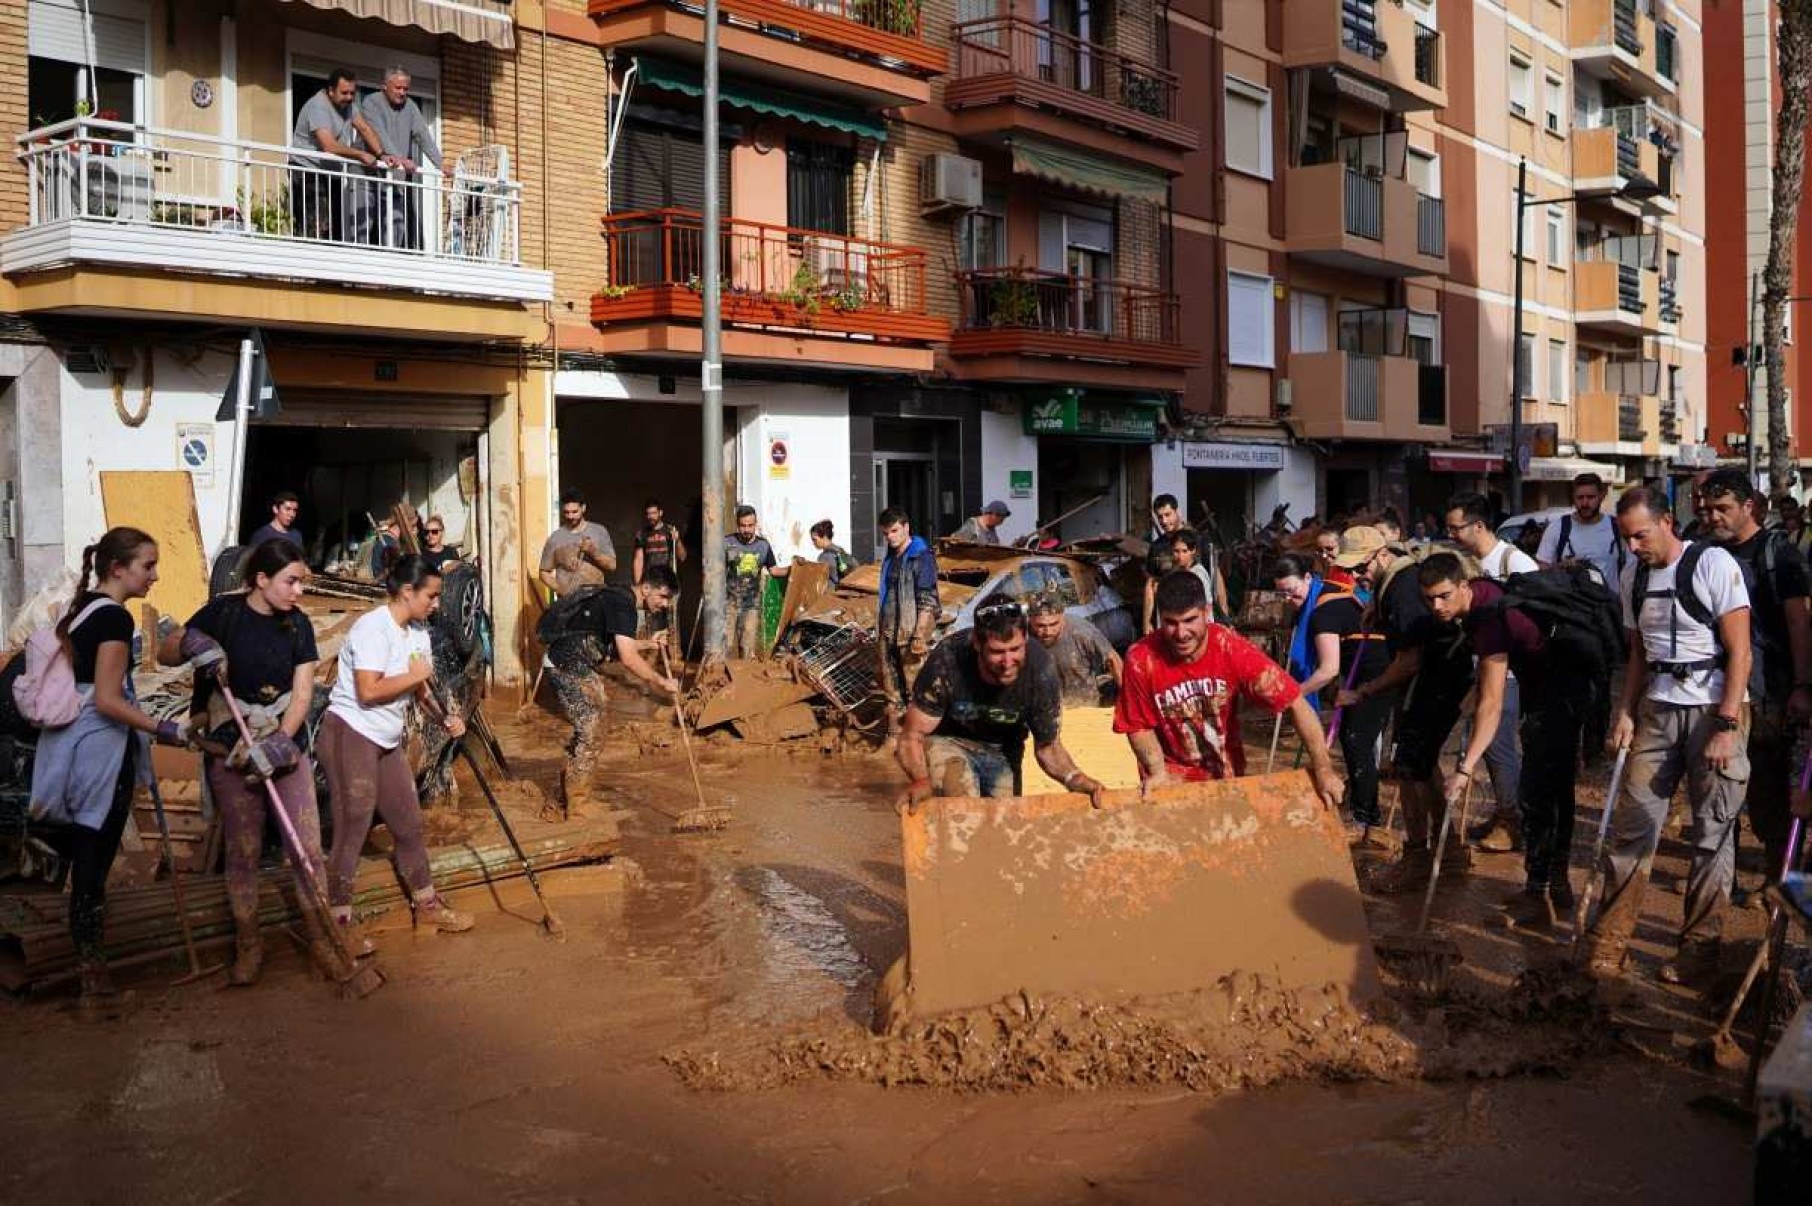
(701, 1036)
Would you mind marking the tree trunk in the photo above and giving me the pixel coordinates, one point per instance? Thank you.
(1795, 33)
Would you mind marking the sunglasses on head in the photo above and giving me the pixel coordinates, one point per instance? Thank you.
(992, 611)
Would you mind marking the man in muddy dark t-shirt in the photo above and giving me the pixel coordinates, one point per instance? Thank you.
(1087, 665)
(979, 694)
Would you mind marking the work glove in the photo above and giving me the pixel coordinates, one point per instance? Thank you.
(173, 732)
(271, 758)
(203, 651)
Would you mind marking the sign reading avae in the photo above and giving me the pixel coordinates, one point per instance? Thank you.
(1233, 456)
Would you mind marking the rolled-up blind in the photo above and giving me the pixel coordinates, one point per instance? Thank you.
(57, 30)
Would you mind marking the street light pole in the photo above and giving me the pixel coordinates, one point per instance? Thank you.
(1514, 504)
(711, 371)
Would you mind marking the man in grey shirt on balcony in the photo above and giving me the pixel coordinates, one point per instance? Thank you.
(398, 120)
(331, 125)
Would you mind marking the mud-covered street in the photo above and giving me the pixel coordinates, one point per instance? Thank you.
(625, 1063)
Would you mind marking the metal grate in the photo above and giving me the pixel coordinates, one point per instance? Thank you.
(844, 667)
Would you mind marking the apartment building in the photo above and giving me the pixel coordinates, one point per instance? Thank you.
(1352, 233)
(1742, 94)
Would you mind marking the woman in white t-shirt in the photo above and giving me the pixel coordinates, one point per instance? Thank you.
(383, 664)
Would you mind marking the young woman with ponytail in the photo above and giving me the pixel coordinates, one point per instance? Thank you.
(384, 663)
(84, 773)
(262, 647)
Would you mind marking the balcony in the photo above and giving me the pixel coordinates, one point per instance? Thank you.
(1024, 325)
(872, 53)
(1348, 395)
(110, 201)
(1364, 221)
(1615, 290)
(805, 294)
(1379, 41)
(1015, 75)
(1629, 142)
(1611, 423)
(1619, 40)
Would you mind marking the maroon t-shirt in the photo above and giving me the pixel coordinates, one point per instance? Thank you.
(1495, 629)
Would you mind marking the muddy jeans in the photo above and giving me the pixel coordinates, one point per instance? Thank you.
(363, 778)
(1551, 724)
(1501, 759)
(1360, 726)
(968, 768)
(899, 670)
(242, 831)
(573, 666)
(742, 629)
(1670, 746)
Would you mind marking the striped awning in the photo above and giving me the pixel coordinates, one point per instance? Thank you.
(1085, 172)
(487, 21)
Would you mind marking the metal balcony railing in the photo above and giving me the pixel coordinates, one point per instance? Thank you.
(1027, 299)
(1364, 205)
(92, 169)
(1669, 292)
(1629, 419)
(1431, 225)
(806, 269)
(1361, 388)
(1428, 56)
(1667, 53)
(1024, 48)
(1359, 27)
(1623, 27)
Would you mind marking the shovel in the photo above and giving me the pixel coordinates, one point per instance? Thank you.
(705, 817)
(344, 967)
(1594, 878)
(196, 970)
(1428, 959)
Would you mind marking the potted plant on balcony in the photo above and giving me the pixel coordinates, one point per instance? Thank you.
(890, 16)
(267, 213)
(1142, 93)
(1012, 302)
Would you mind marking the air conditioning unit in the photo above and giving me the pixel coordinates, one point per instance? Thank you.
(949, 182)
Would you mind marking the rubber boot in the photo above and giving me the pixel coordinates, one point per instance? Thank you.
(99, 998)
(432, 910)
(248, 956)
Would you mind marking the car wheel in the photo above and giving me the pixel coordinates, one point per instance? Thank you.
(229, 570)
(461, 603)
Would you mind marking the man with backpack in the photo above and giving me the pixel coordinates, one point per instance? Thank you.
(1780, 634)
(1589, 536)
(1684, 718)
(1469, 525)
(1555, 629)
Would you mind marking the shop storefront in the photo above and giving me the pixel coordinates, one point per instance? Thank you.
(1094, 460)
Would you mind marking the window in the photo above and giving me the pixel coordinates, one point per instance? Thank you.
(1525, 364)
(1248, 128)
(1522, 86)
(982, 234)
(1250, 321)
(1077, 241)
(1308, 321)
(1582, 371)
(818, 176)
(64, 39)
(660, 163)
(1557, 237)
(1423, 171)
(1554, 104)
(1557, 370)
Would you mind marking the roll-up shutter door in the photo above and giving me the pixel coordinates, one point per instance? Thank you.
(423, 412)
(662, 167)
(56, 31)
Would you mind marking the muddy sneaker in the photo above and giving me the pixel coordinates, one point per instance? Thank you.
(436, 912)
(353, 939)
(1693, 963)
(1499, 837)
(1408, 874)
(1366, 835)
(1529, 912)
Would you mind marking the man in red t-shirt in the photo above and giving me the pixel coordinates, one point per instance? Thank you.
(1180, 689)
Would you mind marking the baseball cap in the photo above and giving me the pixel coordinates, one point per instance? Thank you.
(1357, 546)
(997, 508)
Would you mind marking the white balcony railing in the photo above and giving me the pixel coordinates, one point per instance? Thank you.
(205, 195)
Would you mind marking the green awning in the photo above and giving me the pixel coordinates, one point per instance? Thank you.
(1077, 170)
(740, 94)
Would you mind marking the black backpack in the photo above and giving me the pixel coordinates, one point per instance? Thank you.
(1700, 611)
(1565, 543)
(582, 613)
(1581, 621)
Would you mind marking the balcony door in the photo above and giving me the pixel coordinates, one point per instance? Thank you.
(84, 62)
(1076, 243)
(1308, 321)
(1068, 32)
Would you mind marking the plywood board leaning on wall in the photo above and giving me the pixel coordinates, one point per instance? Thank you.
(161, 503)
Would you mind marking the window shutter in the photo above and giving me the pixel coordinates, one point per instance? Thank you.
(1051, 256)
(1249, 319)
(56, 31)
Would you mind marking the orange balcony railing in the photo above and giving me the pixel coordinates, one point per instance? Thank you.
(1018, 47)
(1026, 299)
(772, 276)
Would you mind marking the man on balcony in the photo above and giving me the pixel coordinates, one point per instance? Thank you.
(396, 221)
(329, 125)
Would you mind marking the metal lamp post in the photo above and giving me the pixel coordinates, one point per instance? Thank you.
(711, 371)
(1639, 189)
